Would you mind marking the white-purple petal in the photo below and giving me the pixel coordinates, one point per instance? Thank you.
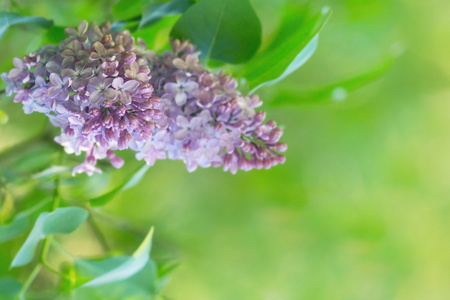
(190, 86)
(117, 83)
(95, 96)
(130, 86)
(180, 98)
(55, 79)
(171, 87)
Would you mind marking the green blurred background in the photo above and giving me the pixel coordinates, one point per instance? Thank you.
(361, 208)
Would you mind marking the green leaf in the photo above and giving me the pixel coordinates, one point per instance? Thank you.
(52, 171)
(157, 35)
(128, 268)
(334, 92)
(8, 19)
(6, 204)
(9, 288)
(18, 226)
(61, 221)
(20, 223)
(54, 35)
(142, 285)
(295, 42)
(125, 10)
(3, 117)
(134, 180)
(164, 271)
(64, 220)
(92, 268)
(23, 159)
(154, 12)
(118, 26)
(227, 30)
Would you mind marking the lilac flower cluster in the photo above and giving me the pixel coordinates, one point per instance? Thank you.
(96, 86)
(209, 123)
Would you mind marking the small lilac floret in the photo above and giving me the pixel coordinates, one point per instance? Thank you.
(181, 89)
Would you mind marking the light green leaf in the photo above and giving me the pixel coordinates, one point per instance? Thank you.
(157, 35)
(18, 226)
(128, 268)
(20, 223)
(134, 180)
(92, 268)
(27, 159)
(227, 30)
(142, 285)
(6, 205)
(153, 12)
(9, 288)
(64, 220)
(293, 45)
(61, 221)
(334, 92)
(8, 19)
(52, 171)
(3, 117)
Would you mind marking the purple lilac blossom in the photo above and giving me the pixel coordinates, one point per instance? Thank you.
(209, 123)
(83, 86)
(96, 86)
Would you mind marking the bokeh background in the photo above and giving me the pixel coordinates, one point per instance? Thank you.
(361, 208)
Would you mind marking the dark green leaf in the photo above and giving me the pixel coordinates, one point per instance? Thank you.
(227, 30)
(153, 12)
(125, 10)
(164, 271)
(134, 180)
(62, 220)
(167, 268)
(293, 45)
(8, 19)
(54, 35)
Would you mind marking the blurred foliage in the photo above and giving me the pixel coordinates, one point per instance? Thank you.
(293, 45)
(227, 31)
(359, 210)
